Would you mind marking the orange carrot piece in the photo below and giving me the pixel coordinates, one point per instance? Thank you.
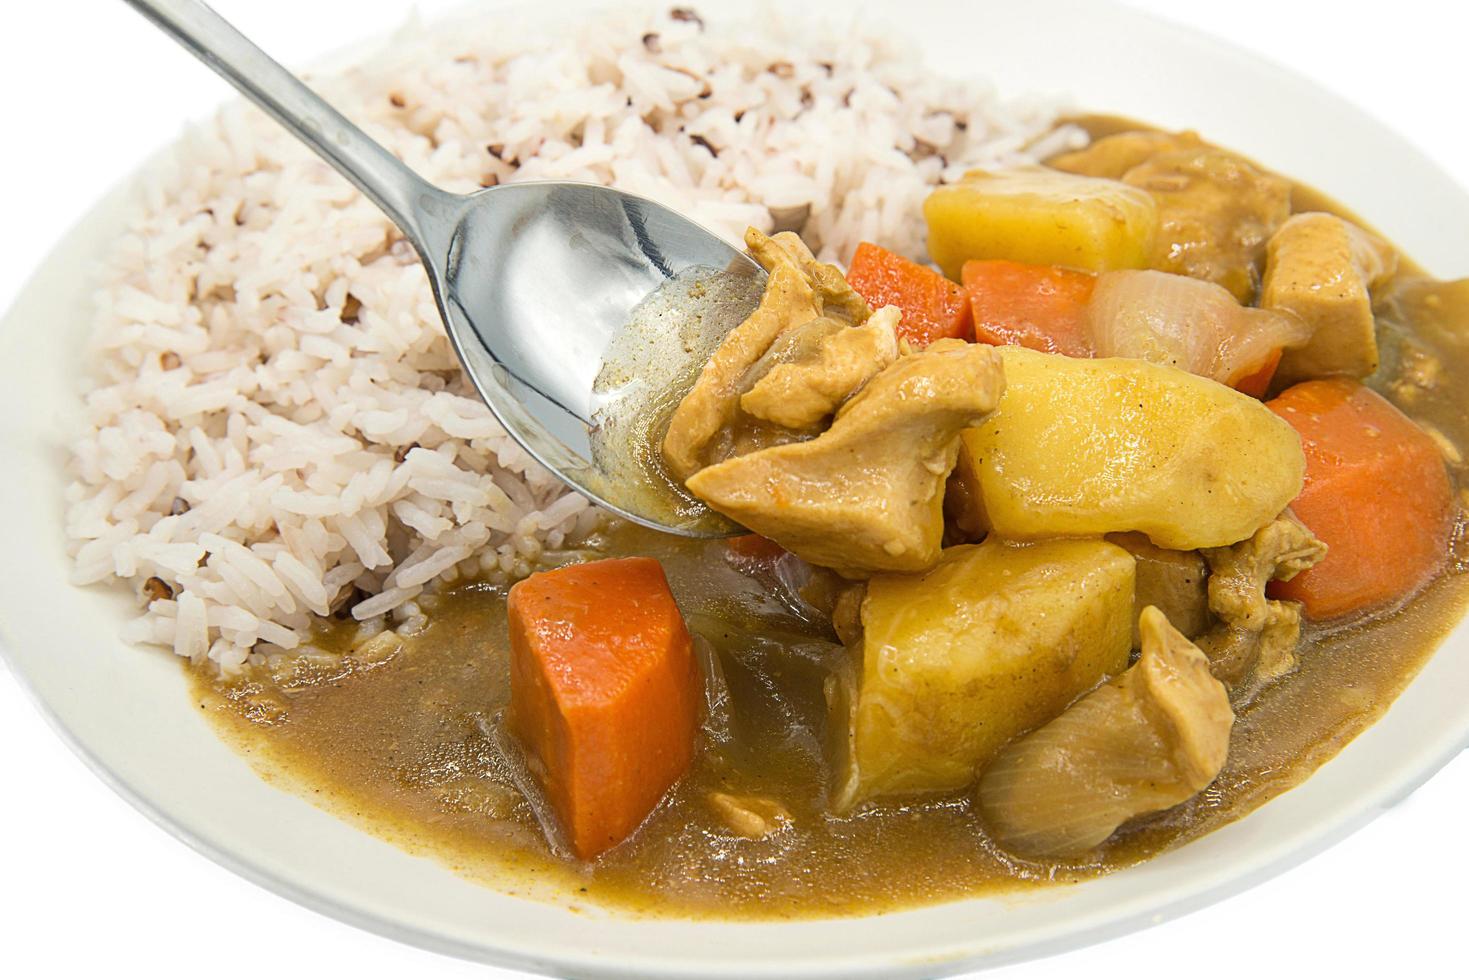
(933, 307)
(1376, 492)
(1256, 383)
(1037, 306)
(604, 693)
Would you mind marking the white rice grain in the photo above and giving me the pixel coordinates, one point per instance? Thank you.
(384, 602)
(191, 630)
(430, 567)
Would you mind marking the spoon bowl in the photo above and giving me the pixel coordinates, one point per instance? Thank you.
(541, 286)
(579, 312)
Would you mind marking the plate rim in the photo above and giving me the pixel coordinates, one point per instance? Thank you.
(1441, 749)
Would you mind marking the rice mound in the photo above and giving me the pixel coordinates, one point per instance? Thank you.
(276, 428)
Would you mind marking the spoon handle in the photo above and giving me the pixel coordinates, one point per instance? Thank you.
(416, 206)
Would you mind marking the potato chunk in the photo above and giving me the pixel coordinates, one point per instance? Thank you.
(996, 639)
(1143, 742)
(1039, 216)
(1083, 447)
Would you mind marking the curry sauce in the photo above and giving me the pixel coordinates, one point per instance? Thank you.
(405, 749)
(401, 735)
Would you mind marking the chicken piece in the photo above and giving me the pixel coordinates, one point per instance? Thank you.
(1145, 741)
(1255, 639)
(798, 343)
(1216, 210)
(992, 642)
(711, 407)
(834, 297)
(801, 392)
(751, 817)
(867, 494)
(1249, 659)
(1112, 156)
(1279, 550)
(1322, 269)
(706, 426)
(1174, 581)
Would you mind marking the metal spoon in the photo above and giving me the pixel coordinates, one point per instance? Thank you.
(536, 282)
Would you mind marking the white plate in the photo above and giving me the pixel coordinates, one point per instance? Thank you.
(126, 711)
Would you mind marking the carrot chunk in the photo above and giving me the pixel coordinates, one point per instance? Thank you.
(1037, 306)
(933, 307)
(1256, 383)
(1376, 492)
(604, 693)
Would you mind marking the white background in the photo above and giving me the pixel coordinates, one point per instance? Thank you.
(89, 886)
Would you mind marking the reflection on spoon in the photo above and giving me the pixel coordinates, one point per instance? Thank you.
(647, 369)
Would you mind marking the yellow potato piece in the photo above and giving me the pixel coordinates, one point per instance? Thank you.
(1040, 216)
(1088, 447)
(995, 640)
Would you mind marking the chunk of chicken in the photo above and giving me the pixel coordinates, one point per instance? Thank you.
(1280, 550)
(1255, 640)
(1216, 210)
(1112, 156)
(802, 392)
(1174, 581)
(1248, 660)
(1147, 740)
(1322, 269)
(798, 343)
(834, 297)
(708, 425)
(867, 494)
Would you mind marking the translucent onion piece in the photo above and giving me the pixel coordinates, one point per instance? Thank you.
(1186, 323)
(1147, 740)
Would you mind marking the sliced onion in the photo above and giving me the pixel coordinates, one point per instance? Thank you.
(1187, 323)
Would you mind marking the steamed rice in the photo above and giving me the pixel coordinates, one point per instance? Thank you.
(276, 427)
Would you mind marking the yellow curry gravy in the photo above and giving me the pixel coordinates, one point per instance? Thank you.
(401, 739)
